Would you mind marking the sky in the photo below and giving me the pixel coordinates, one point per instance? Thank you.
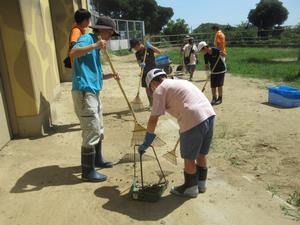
(232, 12)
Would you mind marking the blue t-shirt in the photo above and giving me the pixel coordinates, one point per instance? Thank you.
(87, 70)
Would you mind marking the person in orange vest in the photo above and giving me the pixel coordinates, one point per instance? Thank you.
(220, 41)
(82, 19)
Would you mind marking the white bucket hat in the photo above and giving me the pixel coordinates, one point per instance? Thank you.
(152, 74)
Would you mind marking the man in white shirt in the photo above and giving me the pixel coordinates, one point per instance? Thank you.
(190, 58)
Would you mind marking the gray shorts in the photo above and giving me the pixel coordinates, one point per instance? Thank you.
(197, 140)
(191, 68)
(88, 109)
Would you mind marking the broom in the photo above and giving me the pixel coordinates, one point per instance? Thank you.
(139, 131)
(171, 155)
(137, 103)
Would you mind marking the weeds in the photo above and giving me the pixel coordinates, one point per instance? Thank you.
(294, 199)
(273, 189)
(121, 52)
(234, 160)
(294, 214)
(222, 131)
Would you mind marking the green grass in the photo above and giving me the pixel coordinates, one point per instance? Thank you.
(258, 63)
(121, 52)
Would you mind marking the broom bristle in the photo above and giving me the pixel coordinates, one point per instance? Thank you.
(171, 157)
(138, 136)
(137, 104)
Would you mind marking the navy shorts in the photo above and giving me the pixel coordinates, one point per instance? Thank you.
(217, 80)
(197, 140)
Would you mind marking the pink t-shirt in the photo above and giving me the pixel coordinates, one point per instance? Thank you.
(184, 101)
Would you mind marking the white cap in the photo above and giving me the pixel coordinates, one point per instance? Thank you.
(201, 45)
(152, 74)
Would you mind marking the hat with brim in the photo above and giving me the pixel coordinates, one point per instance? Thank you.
(187, 38)
(105, 23)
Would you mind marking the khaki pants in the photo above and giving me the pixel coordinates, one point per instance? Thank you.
(88, 109)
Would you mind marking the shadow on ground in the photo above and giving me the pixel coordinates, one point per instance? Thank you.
(198, 81)
(276, 106)
(121, 114)
(55, 129)
(39, 178)
(142, 211)
(129, 158)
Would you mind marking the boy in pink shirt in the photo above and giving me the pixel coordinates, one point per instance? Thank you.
(195, 117)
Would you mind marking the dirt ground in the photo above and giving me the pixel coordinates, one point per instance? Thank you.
(254, 164)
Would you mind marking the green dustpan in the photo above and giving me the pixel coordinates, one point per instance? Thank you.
(151, 192)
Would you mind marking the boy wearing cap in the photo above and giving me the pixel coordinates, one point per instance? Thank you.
(190, 58)
(195, 116)
(87, 81)
(149, 63)
(213, 56)
(82, 19)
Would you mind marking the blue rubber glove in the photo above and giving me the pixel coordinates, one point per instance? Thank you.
(149, 138)
(149, 45)
(142, 65)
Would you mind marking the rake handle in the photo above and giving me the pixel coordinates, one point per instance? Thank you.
(162, 172)
(141, 74)
(176, 144)
(119, 83)
(175, 147)
(141, 166)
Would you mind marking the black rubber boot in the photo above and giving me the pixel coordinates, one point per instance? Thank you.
(99, 161)
(201, 176)
(219, 100)
(213, 101)
(189, 188)
(88, 168)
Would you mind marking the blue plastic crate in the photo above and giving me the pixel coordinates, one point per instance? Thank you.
(284, 96)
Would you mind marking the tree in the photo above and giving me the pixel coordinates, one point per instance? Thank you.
(154, 16)
(178, 27)
(267, 14)
(207, 27)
